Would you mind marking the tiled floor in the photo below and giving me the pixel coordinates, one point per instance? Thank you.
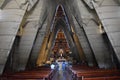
(62, 75)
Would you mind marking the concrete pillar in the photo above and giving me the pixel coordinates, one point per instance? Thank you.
(79, 48)
(41, 57)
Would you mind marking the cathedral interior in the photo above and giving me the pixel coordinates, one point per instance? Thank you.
(59, 40)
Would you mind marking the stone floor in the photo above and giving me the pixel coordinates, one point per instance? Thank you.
(62, 75)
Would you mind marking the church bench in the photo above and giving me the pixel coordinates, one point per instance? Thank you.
(98, 73)
(31, 75)
(28, 76)
(46, 74)
(103, 78)
(32, 72)
(77, 69)
(26, 79)
(80, 72)
(23, 79)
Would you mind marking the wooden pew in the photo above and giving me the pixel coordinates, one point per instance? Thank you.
(40, 76)
(88, 73)
(98, 72)
(36, 74)
(78, 68)
(103, 78)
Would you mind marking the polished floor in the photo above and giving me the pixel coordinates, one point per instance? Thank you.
(62, 75)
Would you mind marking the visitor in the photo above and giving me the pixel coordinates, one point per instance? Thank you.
(52, 66)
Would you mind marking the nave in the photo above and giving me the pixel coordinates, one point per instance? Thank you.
(60, 40)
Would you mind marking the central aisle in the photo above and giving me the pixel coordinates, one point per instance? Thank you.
(62, 75)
